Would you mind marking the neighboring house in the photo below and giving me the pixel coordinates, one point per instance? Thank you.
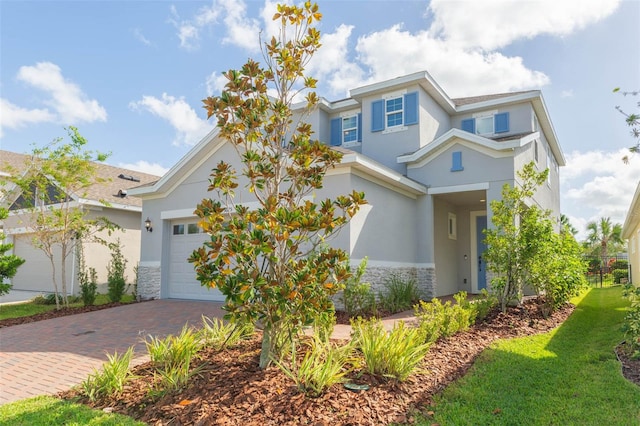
(36, 273)
(429, 166)
(631, 232)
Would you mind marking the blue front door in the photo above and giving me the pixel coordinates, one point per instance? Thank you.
(481, 225)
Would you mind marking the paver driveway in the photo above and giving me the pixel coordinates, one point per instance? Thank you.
(49, 356)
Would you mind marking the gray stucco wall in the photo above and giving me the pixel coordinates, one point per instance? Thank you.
(478, 167)
(446, 253)
(520, 118)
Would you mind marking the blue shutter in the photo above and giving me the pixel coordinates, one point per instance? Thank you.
(501, 123)
(377, 115)
(336, 132)
(411, 108)
(456, 161)
(469, 125)
(359, 127)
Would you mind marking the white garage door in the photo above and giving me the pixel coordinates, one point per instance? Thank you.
(186, 237)
(35, 273)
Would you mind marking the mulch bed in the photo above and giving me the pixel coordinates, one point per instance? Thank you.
(630, 366)
(63, 312)
(232, 390)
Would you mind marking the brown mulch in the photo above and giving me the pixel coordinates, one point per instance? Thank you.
(63, 312)
(630, 365)
(232, 390)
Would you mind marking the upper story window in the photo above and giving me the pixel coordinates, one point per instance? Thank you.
(394, 112)
(346, 130)
(350, 129)
(487, 123)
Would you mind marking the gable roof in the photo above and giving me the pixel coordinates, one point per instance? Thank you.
(483, 98)
(479, 141)
(111, 190)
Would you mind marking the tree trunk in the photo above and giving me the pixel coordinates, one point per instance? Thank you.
(55, 282)
(267, 348)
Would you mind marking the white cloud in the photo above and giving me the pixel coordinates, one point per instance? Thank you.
(494, 24)
(241, 30)
(566, 94)
(69, 102)
(460, 48)
(145, 167)
(215, 83)
(137, 33)
(460, 72)
(189, 30)
(598, 184)
(189, 127)
(13, 116)
(330, 64)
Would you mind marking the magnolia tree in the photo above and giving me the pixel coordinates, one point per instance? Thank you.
(271, 262)
(55, 177)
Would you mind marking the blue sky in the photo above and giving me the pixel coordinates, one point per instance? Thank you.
(131, 74)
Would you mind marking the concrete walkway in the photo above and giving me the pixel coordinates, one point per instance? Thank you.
(50, 356)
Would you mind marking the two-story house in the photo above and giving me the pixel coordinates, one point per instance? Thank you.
(429, 166)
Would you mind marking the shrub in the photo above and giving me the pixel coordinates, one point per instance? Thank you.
(395, 354)
(400, 294)
(619, 264)
(323, 325)
(88, 286)
(323, 365)
(444, 320)
(618, 274)
(483, 304)
(357, 297)
(172, 357)
(116, 279)
(216, 334)
(49, 299)
(111, 380)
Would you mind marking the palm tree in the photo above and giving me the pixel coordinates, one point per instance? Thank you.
(566, 225)
(604, 235)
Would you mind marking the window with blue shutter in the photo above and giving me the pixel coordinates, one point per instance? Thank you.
(469, 125)
(501, 122)
(336, 132)
(456, 161)
(377, 116)
(359, 127)
(411, 108)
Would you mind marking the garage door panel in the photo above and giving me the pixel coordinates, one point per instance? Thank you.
(36, 273)
(183, 283)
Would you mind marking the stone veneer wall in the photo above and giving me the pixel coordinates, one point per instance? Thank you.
(149, 282)
(425, 277)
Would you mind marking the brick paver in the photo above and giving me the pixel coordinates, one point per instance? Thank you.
(47, 357)
(50, 356)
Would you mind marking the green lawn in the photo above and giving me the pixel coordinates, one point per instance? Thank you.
(47, 410)
(30, 308)
(569, 376)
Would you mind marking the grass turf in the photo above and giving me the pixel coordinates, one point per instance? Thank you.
(47, 410)
(568, 376)
(29, 308)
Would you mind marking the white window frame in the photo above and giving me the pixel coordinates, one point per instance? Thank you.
(354, 129)
(452, 226)
(387, 114)
(482, 116)
(389, 97)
